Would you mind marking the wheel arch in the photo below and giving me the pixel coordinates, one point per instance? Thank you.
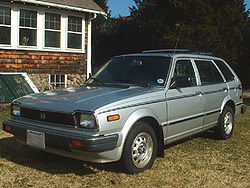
(158, 132)
(149, 117)
(228, 102)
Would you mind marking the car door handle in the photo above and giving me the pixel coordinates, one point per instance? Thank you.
(198, 92)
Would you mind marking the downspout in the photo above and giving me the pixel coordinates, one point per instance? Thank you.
(89, 48)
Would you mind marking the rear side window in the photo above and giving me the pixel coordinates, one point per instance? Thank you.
(225, 70)
(209, 74)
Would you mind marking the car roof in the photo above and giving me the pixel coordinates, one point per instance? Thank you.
(178, 53)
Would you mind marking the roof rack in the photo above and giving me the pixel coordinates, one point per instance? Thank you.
(202, 53)
(185, 51)
(166, 50)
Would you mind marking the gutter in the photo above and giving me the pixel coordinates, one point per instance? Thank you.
(89, 51)
(61, 6)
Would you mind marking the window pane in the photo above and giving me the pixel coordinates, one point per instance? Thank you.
(225, 70)
(208, 72)
(57, 81)
(5, 15)
(58, 78)
(52, 78)
(5, 35)
(74, 24)
(62, 78)
(184, 70)
(52, 21)
(52, 39)
(7, 20)
(27, 37)
(28, 18)
(74, 41)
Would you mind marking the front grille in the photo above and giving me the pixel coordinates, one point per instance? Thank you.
(45, 116)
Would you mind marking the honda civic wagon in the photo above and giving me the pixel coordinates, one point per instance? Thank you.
(133, 106)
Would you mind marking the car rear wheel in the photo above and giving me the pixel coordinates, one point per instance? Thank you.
(140, 147)
(225, 127)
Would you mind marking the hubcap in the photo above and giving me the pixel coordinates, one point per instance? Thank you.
(142, 149)
(228, 123)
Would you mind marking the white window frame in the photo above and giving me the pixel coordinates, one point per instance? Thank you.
(23, 27)
(9, 26)
(15, 19)
(53, 84)
(82, 33)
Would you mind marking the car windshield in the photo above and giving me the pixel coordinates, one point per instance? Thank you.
(134, 70)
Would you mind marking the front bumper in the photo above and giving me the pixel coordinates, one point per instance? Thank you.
(60, 138)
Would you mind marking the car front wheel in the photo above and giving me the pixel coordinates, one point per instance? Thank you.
(140, 147)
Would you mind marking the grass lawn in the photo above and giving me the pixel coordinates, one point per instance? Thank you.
(200, 161)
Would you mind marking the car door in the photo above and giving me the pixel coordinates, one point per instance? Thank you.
(214, 90)
(184, 102)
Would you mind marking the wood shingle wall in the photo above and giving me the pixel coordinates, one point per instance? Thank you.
(42, 62)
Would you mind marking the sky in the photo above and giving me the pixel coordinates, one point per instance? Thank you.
(121, 7)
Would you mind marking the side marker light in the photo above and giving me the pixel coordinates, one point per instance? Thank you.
(113, 117)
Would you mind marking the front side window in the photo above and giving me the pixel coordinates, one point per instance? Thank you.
(28, 28)
(184, 72)
(134, 70)
(5, 25)
(58, 81)
(74, 32)
(52, 30)
(209, 74)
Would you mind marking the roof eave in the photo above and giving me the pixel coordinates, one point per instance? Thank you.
(61, 6)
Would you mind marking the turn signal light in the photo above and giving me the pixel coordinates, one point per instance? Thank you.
(7, 128)
(77, 143)
(113, 117)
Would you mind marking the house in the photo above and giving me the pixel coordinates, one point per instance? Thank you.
(48, 40)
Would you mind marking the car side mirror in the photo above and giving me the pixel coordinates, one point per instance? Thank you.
(180, 81)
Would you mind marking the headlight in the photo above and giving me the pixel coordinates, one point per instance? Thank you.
(86, 121)
(15, 110)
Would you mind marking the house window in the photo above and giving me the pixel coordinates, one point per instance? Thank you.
(28, 28)
(52, 30)
(58, 81)
(74, 32)
(5, 25)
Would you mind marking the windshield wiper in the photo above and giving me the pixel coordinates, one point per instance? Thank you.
(132, 82)
(97, 79)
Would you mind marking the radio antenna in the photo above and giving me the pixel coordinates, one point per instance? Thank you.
(177, 41)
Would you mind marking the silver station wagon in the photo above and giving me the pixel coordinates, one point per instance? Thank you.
(131, 108)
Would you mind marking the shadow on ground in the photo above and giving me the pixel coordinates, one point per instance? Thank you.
(50, 163)
(205, 135)
(54, 164)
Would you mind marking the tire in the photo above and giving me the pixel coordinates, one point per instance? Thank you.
(225, 127)
(139, 151)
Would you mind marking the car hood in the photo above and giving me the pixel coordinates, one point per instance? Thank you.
(85, 98)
